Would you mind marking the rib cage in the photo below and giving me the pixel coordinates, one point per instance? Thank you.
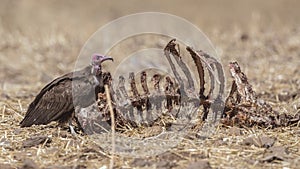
(138, 101)
(146, 101)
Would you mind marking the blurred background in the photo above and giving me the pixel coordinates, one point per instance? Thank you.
(84, 17)
(41, 40)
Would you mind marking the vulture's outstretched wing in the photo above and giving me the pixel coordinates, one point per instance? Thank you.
(55, 100)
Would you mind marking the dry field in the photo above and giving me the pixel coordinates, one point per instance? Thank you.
(41, 41)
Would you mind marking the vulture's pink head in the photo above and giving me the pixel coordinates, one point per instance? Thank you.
(97, 59)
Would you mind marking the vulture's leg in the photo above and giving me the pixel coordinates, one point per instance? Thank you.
(70, 124)
(70, 121)
(72, 130)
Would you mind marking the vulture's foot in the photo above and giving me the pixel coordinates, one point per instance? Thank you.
(72, 130)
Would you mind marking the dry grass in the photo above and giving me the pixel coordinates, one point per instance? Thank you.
(28, 59)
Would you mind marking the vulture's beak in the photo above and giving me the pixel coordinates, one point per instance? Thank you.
(104, 58)
(97, 59)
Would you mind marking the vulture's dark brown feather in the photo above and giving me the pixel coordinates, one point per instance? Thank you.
(58, 99)
(55, 100)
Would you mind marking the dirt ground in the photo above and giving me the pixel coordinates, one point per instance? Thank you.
(42, 41)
